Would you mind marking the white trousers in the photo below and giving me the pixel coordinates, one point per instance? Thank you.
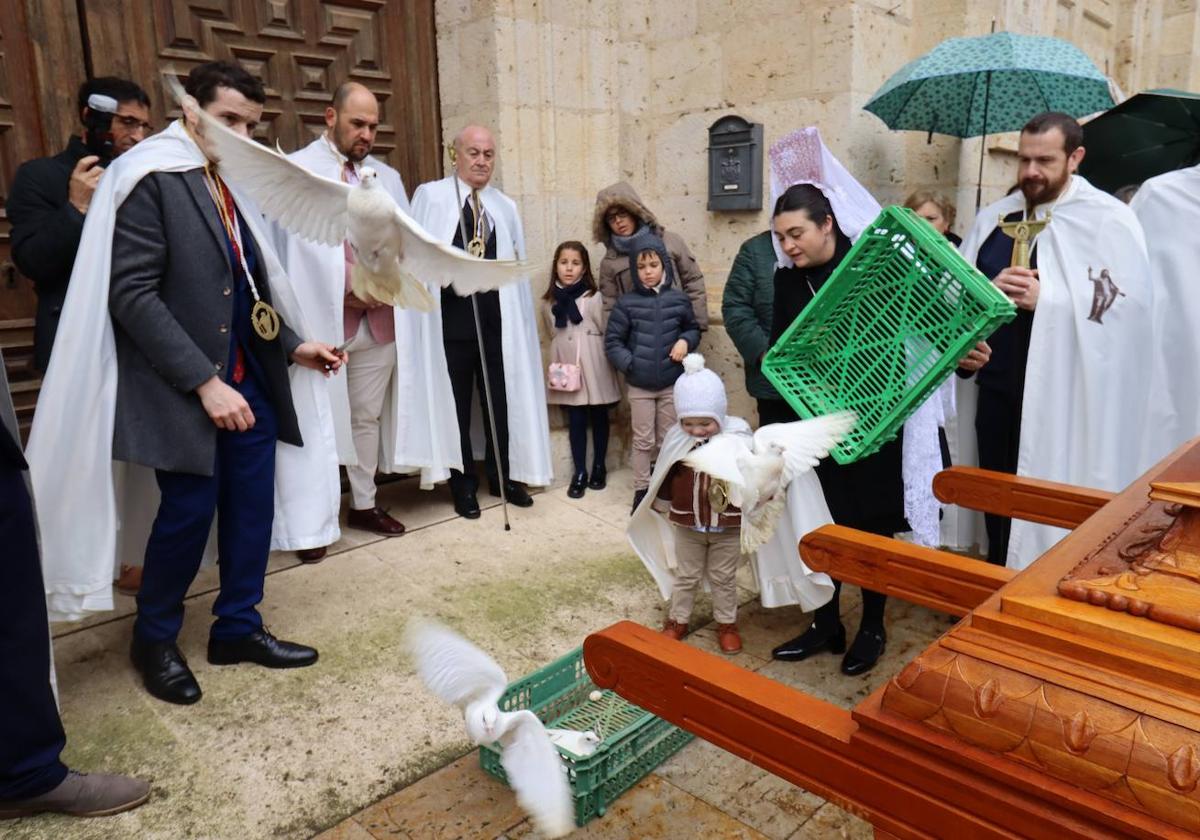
(368, 377)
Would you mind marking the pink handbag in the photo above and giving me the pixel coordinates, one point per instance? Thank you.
(564, 376)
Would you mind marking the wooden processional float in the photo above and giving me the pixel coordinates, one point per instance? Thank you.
(1064, 704)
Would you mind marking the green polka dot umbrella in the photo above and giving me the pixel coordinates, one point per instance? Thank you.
(966, 87)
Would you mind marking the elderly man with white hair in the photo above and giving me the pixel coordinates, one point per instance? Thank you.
(503, 321)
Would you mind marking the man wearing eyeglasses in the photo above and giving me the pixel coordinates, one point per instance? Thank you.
(47, 205)
(50, 197)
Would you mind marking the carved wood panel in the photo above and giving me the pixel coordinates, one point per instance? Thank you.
(301, 49)
(20, 139)
(1120, 753)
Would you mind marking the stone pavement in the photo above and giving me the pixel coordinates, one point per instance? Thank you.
(355, 748)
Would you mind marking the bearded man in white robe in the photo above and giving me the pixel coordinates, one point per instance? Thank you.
(364, 404)
(1059, 393)
(505, 322)
(1168, 206)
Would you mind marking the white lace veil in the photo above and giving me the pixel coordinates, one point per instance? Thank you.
(801, 158)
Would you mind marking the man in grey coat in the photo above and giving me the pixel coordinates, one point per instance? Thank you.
(203, 395)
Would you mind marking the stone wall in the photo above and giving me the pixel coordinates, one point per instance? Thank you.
(583, 93)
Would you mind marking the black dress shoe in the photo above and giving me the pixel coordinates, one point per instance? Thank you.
(578, 485)
(515, 493)
(466, 505)
(599, 479)
(261, 648)
(813, 640)
(638, 495)
(868, 646)
(164, 671)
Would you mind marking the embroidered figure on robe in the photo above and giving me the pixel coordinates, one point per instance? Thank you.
(1104, 294)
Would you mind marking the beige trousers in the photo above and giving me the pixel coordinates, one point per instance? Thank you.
(651, 413)
(368, 376)
(698, 553)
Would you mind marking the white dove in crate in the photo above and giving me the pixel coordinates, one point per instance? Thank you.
(393, 254)
(462, 674)
(758, 476)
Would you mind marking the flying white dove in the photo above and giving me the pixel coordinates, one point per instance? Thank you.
(758, 477)
(460, 673)
(392, 253)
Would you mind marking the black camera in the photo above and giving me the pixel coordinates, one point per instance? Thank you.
(100, 112)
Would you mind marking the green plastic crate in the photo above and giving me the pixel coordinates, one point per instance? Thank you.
(887, 328)
(633, 741)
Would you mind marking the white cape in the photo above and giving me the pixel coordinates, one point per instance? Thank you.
(437, 209)
(310, 472)
(1168, 208)
(407, 436)
(782, 577)
(95, 512)
(1086, 383)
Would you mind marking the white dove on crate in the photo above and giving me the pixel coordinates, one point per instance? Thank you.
(393, 254)
(462, 674)
(575, 742)
(758, 477)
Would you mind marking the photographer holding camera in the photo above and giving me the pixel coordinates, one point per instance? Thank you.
(49, 200)
(50, 196)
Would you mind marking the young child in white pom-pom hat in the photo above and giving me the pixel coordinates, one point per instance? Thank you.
(706, 528)
(688, 534)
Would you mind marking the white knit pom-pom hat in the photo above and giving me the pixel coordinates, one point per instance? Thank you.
(699, 392)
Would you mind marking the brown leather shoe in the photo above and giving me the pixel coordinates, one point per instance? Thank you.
(674, 629)
(130, 581)
(82, 795)
(376, 521)
(728, 638)
(312, 555)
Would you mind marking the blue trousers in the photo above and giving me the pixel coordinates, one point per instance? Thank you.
(241, 492)
(31, 733)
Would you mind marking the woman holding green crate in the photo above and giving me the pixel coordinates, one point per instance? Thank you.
(819, 208)
(868, 494)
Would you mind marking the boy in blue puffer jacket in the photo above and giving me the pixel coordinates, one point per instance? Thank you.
(649, 332)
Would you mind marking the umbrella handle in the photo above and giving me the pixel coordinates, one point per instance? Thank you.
(987, 89)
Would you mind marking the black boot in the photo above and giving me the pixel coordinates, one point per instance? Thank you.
(599, 479)
(868, 646)
(638, 495)
(578, 485)
(813, 640)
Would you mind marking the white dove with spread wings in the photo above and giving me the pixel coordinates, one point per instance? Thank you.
(462, 674)
(393, 254)
(758, 476)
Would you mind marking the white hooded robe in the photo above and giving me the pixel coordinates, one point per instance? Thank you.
(1168, 208)
(1087, 382)
(437, 208)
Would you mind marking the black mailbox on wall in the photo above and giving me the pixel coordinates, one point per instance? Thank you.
(735, 164)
